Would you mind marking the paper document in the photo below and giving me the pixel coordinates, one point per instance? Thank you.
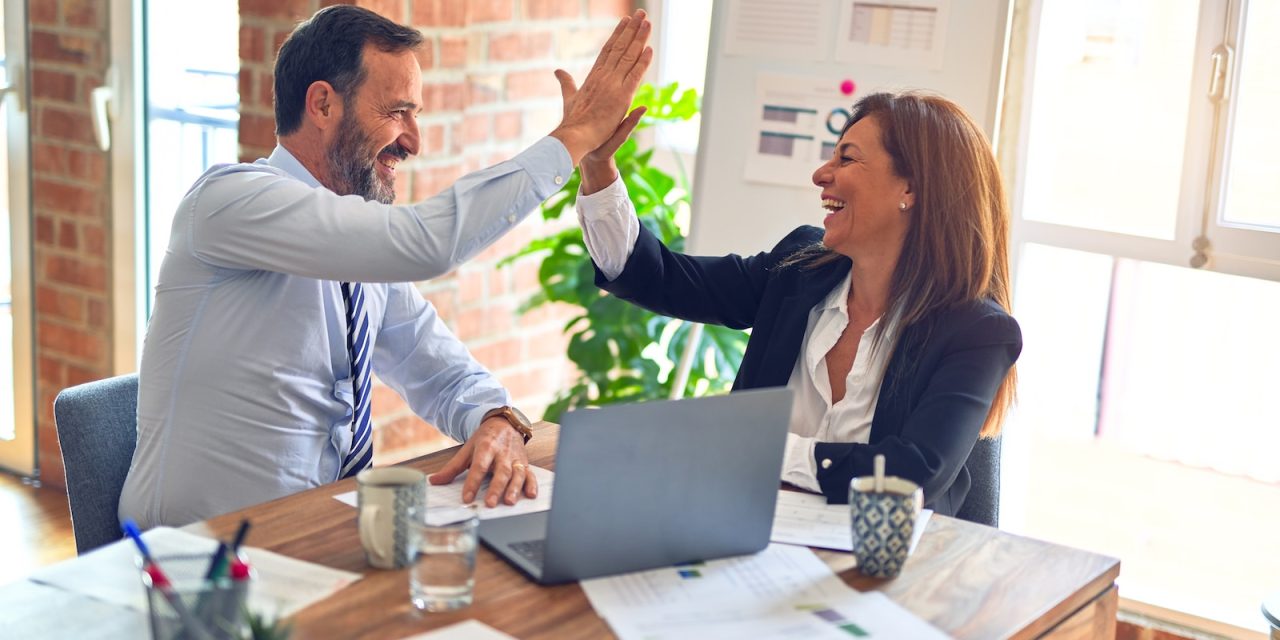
(807, 519)
(767, 29)
(465, 630)
(283, 585)
(451, 495)
(27, 605)
(781, 592)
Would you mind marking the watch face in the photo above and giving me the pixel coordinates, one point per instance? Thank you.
(520, 416)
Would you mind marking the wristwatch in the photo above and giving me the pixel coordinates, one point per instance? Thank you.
(517, 419)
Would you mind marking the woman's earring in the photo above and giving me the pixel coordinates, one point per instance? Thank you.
(902, 206)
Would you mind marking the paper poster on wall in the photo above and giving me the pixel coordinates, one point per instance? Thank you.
(906, 34)
(797, 124)
(794, 30)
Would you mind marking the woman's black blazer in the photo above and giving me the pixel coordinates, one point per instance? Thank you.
(937, 388)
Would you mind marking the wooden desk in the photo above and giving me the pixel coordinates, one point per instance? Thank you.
(968, 580)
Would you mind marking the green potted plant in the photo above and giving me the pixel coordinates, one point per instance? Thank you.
(624, 353)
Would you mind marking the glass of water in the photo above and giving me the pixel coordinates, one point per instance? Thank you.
(442, 577)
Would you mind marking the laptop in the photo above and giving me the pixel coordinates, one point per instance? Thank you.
(653, 484)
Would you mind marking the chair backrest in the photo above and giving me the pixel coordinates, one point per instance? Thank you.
(97, 430)
(983, 502)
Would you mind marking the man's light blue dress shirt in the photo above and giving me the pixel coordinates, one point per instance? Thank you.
(245, 388)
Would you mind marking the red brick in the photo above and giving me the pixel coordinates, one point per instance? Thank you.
(253, 44)
(60, 304)
(62, 124)
(490, 321)
(385, 399)
(438, 97)
(532, 83)
(77, 375)
(81, 51)
(432, 139)
(50, 158)
(526, 385)
(580, 44)
(405, 437)
(45, 234)
(257, 130)
(277, 41)
(610, 8)
(429, 181)
(52, 474)
(506, 126)
(427, 14)
(85, 14)
(266, 92)
(245, 85)
(427, 55)
(67, 236)
(53, 85)
(472, 284)
(519, 46)
(499, 355)
(453, 52)
(549, 344)
(292, 10)
(476, 128)
(50, 372)
(489, 11)
(85, 346)
(547, 9)
(444, 303)
(95, 240)
(75, 272)
(98, 315)
(43, 12)
(390, 9)
(65, 198)
(90, 166)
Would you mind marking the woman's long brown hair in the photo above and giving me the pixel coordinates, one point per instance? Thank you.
(957, 247)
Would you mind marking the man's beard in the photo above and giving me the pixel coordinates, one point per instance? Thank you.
(351, 172)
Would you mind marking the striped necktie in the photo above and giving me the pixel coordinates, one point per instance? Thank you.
(360, 457)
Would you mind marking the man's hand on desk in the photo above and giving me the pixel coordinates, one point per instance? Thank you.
(494, 448)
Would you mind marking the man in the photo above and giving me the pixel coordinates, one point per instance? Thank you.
(285, 282)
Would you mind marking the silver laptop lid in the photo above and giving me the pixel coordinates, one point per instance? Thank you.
(659, 483)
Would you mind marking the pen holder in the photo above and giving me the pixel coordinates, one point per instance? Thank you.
(189, 607)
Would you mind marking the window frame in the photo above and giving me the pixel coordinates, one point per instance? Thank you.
(19, 455)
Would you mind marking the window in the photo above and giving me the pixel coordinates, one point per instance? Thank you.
(1144, 422)
(685, 29)
(17, 372)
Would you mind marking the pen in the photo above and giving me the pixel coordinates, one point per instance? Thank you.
(215, 563)
(240, 534)
(160, 582)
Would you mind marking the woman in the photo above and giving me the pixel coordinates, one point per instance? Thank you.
(891, 323)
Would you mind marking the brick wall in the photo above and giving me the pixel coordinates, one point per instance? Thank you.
(488, 91)
(71, 207)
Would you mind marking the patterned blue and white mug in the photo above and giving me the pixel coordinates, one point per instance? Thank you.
(385, 498)
(883, 523)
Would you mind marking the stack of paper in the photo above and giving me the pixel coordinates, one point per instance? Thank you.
(807, 519)
(282, 587)
(781, 592)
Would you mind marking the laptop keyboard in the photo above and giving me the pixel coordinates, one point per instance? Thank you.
(531, 550)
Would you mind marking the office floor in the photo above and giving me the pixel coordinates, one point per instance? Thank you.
(36, 529)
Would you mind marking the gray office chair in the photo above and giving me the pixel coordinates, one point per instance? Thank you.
(983, 502)
(97, 430)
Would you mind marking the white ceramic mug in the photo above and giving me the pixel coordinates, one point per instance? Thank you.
(384, 498)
